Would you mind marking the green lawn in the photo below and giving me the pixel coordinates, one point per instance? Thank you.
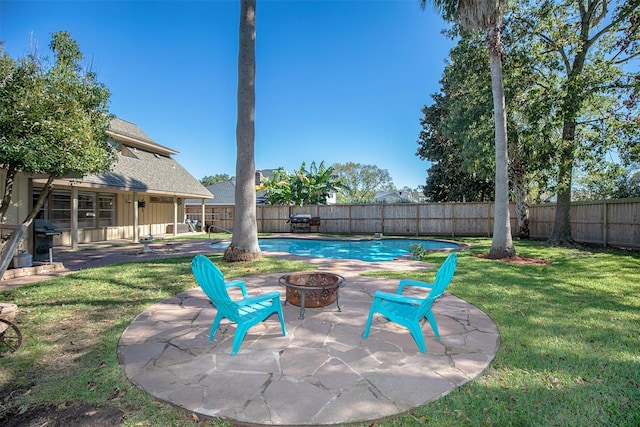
(569, 353)
(570, 340)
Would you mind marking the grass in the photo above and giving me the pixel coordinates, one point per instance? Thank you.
(71, 327)
(570, 340)
(569, 353)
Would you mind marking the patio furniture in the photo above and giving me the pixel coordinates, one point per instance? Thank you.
(409, 311)
(246, 312)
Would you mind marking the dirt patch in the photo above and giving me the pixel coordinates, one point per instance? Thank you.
(72, 416)
(520, 260)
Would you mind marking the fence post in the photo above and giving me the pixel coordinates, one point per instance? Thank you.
(489, 219)
(605, 223)
(453, 220)
(417, 219)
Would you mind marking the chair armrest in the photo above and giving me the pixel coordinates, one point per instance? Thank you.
(407, 282)
(237, 283)
(397, 298)
(259, 298)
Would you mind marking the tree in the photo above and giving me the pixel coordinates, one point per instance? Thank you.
(314, 186)
(310, 187)
(628, 185)
(278, 188)
(487, 15)
(212, 179)
(450, 178)
(53, 120)
(457, 131)
(361, 182)
(609, 182)
(580, 50)
(244, 242)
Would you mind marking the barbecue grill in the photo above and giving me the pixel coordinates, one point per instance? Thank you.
(303, 222)
(43, 232)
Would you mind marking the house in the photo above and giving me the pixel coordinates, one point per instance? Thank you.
(390, 197)
(143, 194)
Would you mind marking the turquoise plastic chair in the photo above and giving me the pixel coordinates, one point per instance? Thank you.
(409, 311)
(247, 312)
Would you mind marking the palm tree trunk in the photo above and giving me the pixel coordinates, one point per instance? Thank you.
(244, 243)
(502, 243)
(519, 186)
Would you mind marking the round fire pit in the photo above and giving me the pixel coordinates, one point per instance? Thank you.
(312, 290)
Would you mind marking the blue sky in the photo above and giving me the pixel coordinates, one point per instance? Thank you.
(336, 81)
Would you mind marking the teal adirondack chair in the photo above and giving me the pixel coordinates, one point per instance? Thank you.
(247, 312)
(409, 311)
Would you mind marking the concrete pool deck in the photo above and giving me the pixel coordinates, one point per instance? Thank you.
(322, 373)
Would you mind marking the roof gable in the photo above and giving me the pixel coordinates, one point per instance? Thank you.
(130, 134)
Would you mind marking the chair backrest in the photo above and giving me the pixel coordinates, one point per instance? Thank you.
(442, 280)
(211, 280)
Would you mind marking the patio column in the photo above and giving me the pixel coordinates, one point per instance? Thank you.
(202, 214)
(136, 236)
(175, 215)
(74, 218)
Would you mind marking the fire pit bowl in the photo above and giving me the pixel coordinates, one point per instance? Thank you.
(312, 290)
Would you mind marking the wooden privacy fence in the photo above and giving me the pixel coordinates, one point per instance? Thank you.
(434, 219)
(607, 223)
(604, 222)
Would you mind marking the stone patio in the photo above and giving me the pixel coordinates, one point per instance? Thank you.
(322, 373)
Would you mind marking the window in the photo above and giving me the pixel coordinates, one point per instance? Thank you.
(86, 210)
(44, 208)
(60, 209)
(106, 210)
(94, 209)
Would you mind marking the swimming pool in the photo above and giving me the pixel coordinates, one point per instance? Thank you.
(363, 250)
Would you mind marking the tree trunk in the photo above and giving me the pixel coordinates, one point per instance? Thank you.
(10, 247)
(44, 194)
(562, 225)
(519, 186)
(7, 248)
(502, 243)
(571, 105)
(244, 243)
(8, 191)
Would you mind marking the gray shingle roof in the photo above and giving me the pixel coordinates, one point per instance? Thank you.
(148, 170)
(133, 135)
(125, 128)
(224, 193)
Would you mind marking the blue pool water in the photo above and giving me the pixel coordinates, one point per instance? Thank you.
(363, 250)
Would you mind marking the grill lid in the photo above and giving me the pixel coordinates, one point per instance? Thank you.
(45, 226)
(298, 218)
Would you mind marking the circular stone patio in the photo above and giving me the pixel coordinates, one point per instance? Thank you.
(323, 372)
